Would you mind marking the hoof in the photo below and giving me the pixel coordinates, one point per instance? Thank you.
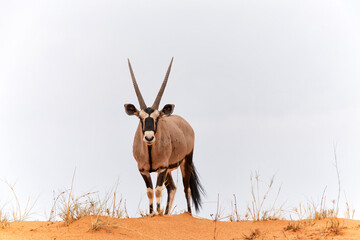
(153, 214)
(160, 212)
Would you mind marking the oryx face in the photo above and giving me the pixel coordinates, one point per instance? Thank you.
(149, 119)
(149, 116)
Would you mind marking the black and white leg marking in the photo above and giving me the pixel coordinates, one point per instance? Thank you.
(149, 189)
(171, 190)
(159, 182)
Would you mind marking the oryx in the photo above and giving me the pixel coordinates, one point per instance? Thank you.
(162, 143)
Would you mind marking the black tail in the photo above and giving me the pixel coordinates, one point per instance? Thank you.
(195, 186)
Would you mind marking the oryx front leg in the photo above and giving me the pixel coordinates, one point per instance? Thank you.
(158, 190)
(149, 189)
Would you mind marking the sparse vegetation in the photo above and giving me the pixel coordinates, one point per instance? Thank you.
(316, 211)
(98, 223)
(73, 208)
(256, 211)
(253, 235)
(4, 221)
(216, 218)
(234, 216)
(18, 213)
(293, 226)
(349, 212)
(101, 208)
(142, 213)
(333, 227)
(100, 211)
(89, 204)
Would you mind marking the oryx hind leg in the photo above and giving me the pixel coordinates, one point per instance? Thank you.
(186, 173)
(149, 189)
(171, 190)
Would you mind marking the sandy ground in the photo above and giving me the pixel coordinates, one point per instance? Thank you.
(181, 226)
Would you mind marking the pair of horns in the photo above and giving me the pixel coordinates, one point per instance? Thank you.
(161, 91)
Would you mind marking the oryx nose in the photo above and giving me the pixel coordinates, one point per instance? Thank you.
(149, 138)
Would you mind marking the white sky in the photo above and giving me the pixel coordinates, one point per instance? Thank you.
(266, 85)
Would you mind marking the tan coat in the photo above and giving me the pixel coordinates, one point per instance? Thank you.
(174, 140)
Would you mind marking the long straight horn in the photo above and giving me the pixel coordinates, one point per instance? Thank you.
(137, 90)
(161, 91)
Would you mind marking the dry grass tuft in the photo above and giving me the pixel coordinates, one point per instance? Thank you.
(217, 216)
(4, 221)
(316, 211)
(74, 208)
(19, 213)
(333, 227)
(142, 213)
(349, 212)
(98, 224)
(102, 208)
(293, 226)
(253, 235)
(256, 210)
(234, 216)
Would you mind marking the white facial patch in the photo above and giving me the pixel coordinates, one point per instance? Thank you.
(155, 114)
(149, 135)
(143, 114)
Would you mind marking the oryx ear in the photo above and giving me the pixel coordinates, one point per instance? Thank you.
(131, 109)
(168, 109)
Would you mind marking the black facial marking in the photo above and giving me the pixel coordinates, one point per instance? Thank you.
(149, 124)
(149, 110)
(142, 124)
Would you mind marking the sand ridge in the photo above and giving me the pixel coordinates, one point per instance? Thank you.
(181, 226)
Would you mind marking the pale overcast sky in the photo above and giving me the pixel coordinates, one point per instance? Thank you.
(267, 85)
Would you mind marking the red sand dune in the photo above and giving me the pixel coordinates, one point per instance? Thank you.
(181, 226)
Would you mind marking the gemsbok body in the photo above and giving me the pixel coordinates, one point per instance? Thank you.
(162, 143)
